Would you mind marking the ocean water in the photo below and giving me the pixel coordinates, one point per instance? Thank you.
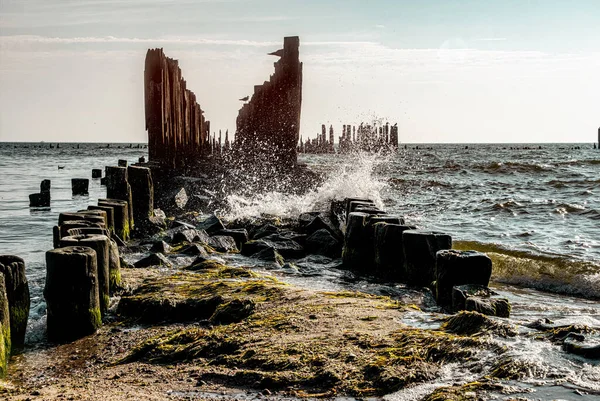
(535, 211)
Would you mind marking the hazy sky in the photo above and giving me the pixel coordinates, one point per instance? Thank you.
(444, 70)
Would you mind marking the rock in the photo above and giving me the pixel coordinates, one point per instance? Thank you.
(420, 249)
(287, 236)
(190, 235)
(240, 235)
(269, 255)
(80, 186)
(5, 334)
(71, 293)
(305, 218)
(499, 307)
(460, 293)
(159, 213)
(155, 259)
(179, 223)
(322, 221)
(457, 268)
(264, 231)
(160, 247)
(17, 292)
(322, 242)
(389, 252)
(195, 249)
(211, 225)
(222, 243)
(180, 199)
(288, 248)
(233, 311)
(590, 351)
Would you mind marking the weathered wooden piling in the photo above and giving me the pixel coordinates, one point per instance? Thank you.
(96, 212)
(63, 229)
(110, 218)
(120, 215)
(178, 133)
(117, 187)
(100, 244)
(80, 186)
(142, 191)
(122, 163)
(114, 267)
(87, 230)
(5, 335)
(75, 216)
(268, 125)
(71, 293)
(41, 199)
(389, 251)
(96, 173)
(353, 255)
(454, 268)
(420, 248)
(17, 290)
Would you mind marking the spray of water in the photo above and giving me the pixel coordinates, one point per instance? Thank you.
(353, 177)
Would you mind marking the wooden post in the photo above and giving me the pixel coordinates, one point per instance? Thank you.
(17, 291)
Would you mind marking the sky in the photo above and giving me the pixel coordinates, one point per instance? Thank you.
(463, 71)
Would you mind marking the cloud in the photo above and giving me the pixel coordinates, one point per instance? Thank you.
(491, 39)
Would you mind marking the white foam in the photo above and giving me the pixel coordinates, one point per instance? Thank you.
(354, 178)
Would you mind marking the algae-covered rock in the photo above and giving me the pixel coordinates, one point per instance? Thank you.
(160, 247)
(222, 243)
(5, 343)
(233, 311)
(269, 255)
(470, 323)
(195, 250)
(155, 259)
(499, 307)
(17, 291)
(211, 225)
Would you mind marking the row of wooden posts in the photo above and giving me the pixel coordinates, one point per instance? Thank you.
(83, 269)
(379, 244)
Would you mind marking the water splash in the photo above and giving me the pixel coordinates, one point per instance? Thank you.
(352, 176)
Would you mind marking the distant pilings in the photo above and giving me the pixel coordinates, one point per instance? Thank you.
(41, 199)
(178, 133)
(365, 137)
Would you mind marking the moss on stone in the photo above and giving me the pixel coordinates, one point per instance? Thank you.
(114, 279)
(474, 323)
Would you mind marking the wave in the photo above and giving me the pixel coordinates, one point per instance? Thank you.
(546, 272)
(355, 178)
(512, 167)
(574, 183)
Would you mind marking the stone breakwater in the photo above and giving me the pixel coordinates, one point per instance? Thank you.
(140, 303)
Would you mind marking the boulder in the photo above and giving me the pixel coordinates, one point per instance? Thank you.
(180, 199)
(264, 231)
(305, 218)
(240, 235)
(211, 225)
(287, 248)
(420, 249)
(155, 259)
(460, 293)
(499, 307)
(222, 243)
(322, 242)
(269, 255)
(189, 235)
(455, 267)
(323, 221)
(160, 247)
(17, 291)
(195, 250)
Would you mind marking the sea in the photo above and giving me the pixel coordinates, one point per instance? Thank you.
(533, 208)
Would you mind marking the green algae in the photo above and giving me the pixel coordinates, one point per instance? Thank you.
(474, 323)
